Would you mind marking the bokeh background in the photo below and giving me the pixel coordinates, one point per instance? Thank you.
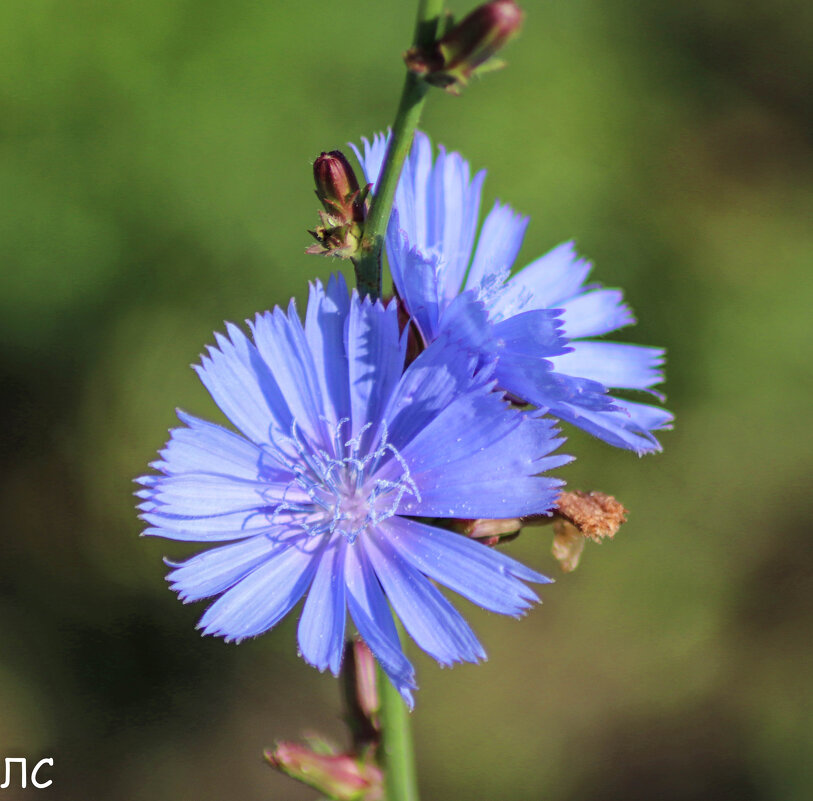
(155, 180)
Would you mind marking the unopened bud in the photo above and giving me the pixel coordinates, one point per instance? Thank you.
(344, 205)
(341, 777)
(361, 694)
(366, 684)
(481, 34)
(336, 184)
(468, 46)
(490, 532)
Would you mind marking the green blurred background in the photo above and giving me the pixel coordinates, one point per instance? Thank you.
(155, 180)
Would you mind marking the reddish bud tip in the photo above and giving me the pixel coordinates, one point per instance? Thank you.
(342, 777)
(489, 531)
(479, 35)
(366, 684)
(468, 46)
(336, 182)
(344, 206)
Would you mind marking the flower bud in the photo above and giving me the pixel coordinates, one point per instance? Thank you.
(467, 47)
(341, 777)
(344, 205)
(336, 185)
(489, 532)
(366, 684)
(361, 694)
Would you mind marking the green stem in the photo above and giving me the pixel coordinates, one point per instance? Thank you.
(368, 266)
(400, 780)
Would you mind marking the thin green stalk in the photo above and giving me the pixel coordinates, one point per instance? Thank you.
(400, 780)
(368, 266)
(398, 755)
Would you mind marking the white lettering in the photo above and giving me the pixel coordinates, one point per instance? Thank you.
(23, 768)
(39, 764)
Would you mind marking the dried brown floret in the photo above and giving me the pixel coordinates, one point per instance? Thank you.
(593, 514)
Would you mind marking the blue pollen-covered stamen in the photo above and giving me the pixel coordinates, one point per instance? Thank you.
(337, 433)
(344, 494)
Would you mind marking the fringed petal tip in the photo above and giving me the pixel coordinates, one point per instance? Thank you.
(379, 305)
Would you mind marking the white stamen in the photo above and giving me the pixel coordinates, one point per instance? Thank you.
(344, 495)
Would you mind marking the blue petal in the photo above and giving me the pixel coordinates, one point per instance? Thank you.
(264, 596)
(453, 208)
(466, 321)
(321, 627)
(371, 155)
(282, 344)
(371, 614)
(205, 447)
(216, 570)
(430, 383)
(498, 246)
(545, 283)
(479, 458)
(536, 333)
(628, 427)
(435, 625)
(485, 576)
(375, 355)
(416, 277)
(439, 206)
(217, 528)
(595, 313)
(613, 364)
(527, 345)
(646, 417)
(532, 380)
(242, 386)
(411, 194)
(207, 495)
(325, 322)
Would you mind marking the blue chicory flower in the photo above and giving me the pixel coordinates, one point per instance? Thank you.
(544, 319)
(339, 451)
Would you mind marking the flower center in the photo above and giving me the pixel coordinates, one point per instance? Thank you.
(350, 514)
(336, 490)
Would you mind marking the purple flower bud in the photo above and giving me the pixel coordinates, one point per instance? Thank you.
(366, 684)
(481, 34)
(361, 695)
(467, 46)
(342, 777)
(344, 206)
(336, 186)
